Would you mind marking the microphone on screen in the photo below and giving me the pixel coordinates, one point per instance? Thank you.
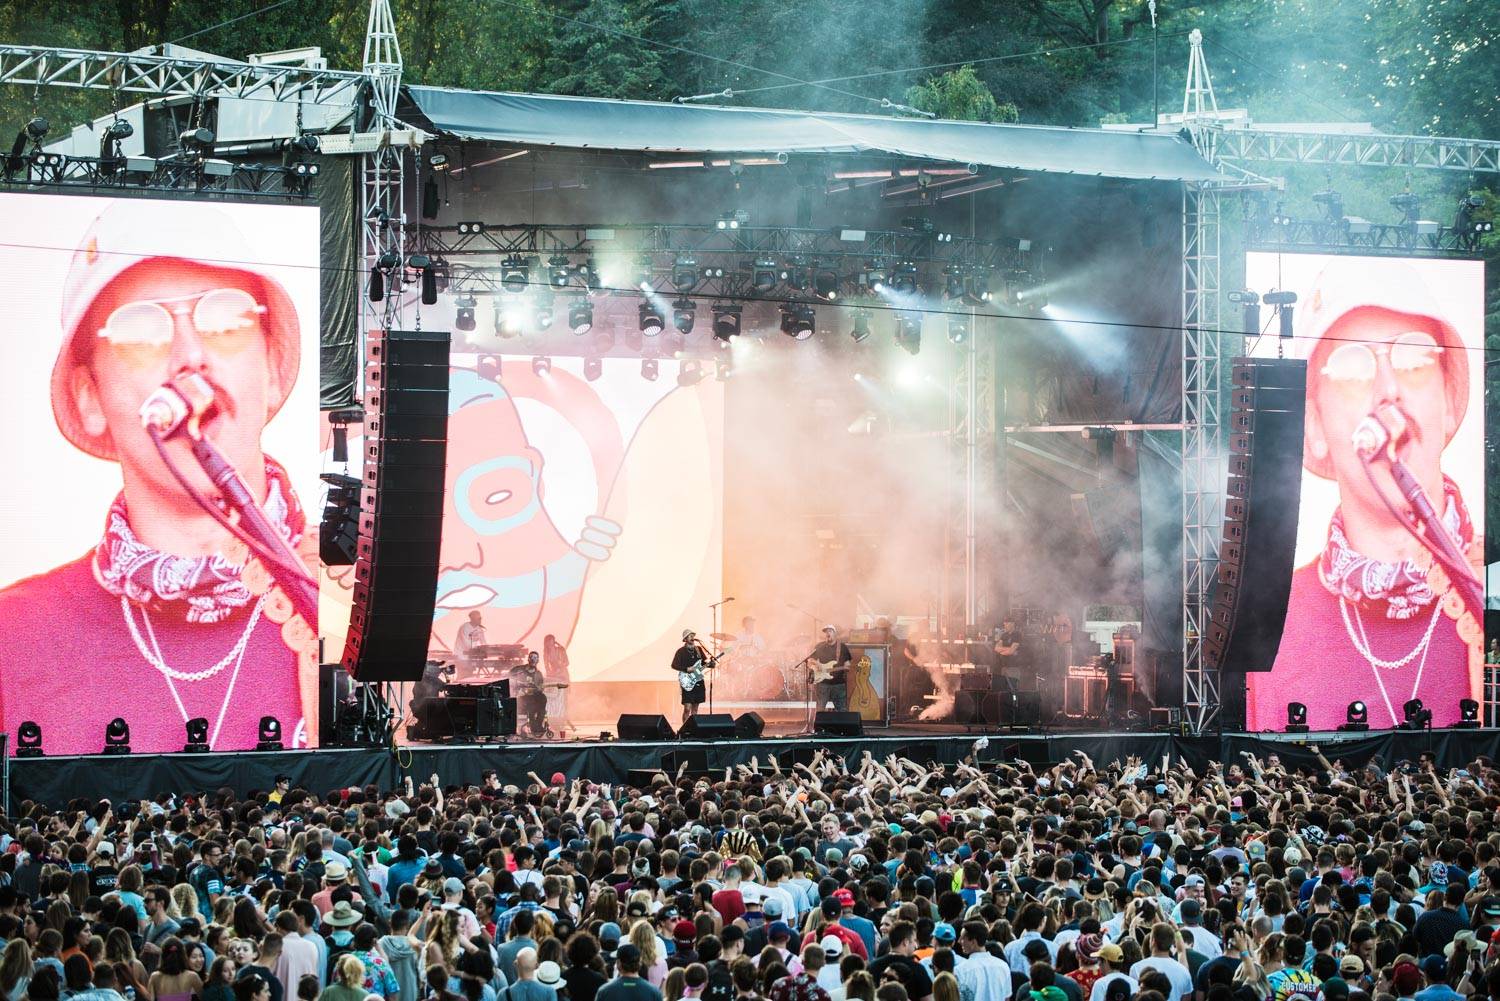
(180, 400)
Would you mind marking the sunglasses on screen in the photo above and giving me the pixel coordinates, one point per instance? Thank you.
(227, 320)
(1413, 356)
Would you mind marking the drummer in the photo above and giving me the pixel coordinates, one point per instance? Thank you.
(749, 643)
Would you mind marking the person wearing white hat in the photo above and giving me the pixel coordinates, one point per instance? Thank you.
(1370, 617)
(167, 617)
(690, 662)
(833, 656)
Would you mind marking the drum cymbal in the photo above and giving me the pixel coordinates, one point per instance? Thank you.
(723, 637)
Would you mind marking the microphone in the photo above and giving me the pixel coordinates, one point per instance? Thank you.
(1382, 428)
(180, 400)
(728, 600)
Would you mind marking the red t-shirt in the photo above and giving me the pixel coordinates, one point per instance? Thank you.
(729, 904)
(849, 938)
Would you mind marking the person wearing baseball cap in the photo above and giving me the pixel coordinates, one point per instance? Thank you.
(832, 659)
(168, 612)
(1372, 616)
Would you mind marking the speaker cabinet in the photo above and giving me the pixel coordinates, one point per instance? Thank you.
(837, 724)
(749, 726)
(401, 505)
(708, 726)
(644, 726)
(1263, 496)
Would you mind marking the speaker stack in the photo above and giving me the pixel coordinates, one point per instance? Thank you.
(401, 505)
(1262, 499)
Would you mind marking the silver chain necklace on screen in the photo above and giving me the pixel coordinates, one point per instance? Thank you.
(1361, 641)
(153, 656)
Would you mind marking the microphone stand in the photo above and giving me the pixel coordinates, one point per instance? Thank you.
(1436, 537)
(714, 609)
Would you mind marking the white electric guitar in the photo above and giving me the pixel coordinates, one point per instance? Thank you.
(820, 671)
(689, 678)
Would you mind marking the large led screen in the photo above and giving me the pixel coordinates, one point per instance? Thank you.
(1370, 619)
(119, 595)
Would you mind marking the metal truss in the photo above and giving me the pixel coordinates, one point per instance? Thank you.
(382, 237)
(170, 76)
(244, 180)
(971, 407)
(1202, 445)
(1481, 156)
(1398, 239)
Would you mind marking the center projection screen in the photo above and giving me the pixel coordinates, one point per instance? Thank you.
(1369, 618)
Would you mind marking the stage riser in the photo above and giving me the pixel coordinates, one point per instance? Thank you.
(54, 781)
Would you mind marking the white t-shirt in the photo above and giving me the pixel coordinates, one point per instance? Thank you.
(469, 637)
(1100, 985)
(1182, 980)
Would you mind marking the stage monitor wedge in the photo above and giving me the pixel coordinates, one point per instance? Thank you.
(708, 726)
(838, 724)
(1262, 500)
(396, 550)
(644, 726)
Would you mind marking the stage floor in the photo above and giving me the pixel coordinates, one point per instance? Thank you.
(56, 780)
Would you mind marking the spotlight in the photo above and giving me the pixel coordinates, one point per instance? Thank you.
(684, 313)
(29, 740)
(909, 332)
(270, 734)
(559, 273)
(437, 161)
(797, 320)
(1468, 715)
(1415, 716)
(544, 314)
(958, 329)
(684, 273)
(593, 368)
(1467, 226)
(36, 130)
(464, 318)
(904, 280)
(581, 315)
(1279, 217)
(874, 277)
(826, 284)
(197, 736)
(1333, 205)
(1356, 717)
(726, 320)
(196, 141)
(713, 271)
(691, 373)
(953, 283)
(1296, 717)
(1410, 205)
(732, 220)
(977, 290)
(470, 228)
(117, 736)
(510, 319)
(649, 369)
(541, 365)
(1031, 297)
(515, 274)
(110, 154)
(651, 319)
(764, 274)
(860, 331)
(795, 276)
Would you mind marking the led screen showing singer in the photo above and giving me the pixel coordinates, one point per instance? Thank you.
(1371, 617)
(126, 599)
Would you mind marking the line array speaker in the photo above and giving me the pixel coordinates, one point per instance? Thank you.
(401, 505)
(1262, 498)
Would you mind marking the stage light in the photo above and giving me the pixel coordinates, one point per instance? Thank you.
(1296, 717)
(684, 314)
(1332, 203)
(958, 329)
(764, 274)
(732, 220)
(1356, 717)
(470, 228)
(270, 734)
(684, 273)
(110, 154)
(797, 320)
(559, 274)
(593, 368)
(117, 736)
(463, 318)
(691, 373)
(385, 269)
(904, 279)
(860, 330)
(544, 314)
(977, 290)
(874, 277)
(909, 332)
(1031, 297)
(713, 271)
(1410, 205)
(1279, 217)
(794, 276)
(1466, 224)
(438, 161)
(826, 284)
(197, 736)
(1468, 715)
(541, 365)
(515, 274)
(29, 740)
(649, 369)
(651, 319)
(510, 319)
(427, 274)
(1415, 716)
(581, 316)
(1283, 301)
(953, 283)
(198, 141)
(642, 277)
(726, 320)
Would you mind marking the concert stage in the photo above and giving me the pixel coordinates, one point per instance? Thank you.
(125, 777)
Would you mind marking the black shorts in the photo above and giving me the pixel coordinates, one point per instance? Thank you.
(695, 696)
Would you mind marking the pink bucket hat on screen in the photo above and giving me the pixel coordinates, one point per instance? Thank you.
(131, 233)
(1347, 285)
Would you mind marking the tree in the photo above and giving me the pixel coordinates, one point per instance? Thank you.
(961, 96)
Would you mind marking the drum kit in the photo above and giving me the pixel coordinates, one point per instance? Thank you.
(748, 673)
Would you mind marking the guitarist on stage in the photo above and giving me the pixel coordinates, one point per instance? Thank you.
(833, 656)
(689, 662)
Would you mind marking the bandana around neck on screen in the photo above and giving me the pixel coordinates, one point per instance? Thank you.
(199, 588)
(1393, 590)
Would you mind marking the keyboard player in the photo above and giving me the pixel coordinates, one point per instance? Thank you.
(470, 646)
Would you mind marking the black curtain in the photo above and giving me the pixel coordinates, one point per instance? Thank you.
(339, 334)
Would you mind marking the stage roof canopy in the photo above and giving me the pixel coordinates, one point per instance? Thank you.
(649, 127)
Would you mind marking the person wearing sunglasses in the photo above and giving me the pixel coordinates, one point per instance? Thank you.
(166, 618)
(1367, 619)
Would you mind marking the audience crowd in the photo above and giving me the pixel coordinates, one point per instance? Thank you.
(894, 881)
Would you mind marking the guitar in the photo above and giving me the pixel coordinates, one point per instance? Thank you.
(689, 678)
(821, 671)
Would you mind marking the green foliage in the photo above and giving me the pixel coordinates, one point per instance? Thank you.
(960, 95)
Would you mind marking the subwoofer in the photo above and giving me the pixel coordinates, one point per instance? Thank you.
(839, 724)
